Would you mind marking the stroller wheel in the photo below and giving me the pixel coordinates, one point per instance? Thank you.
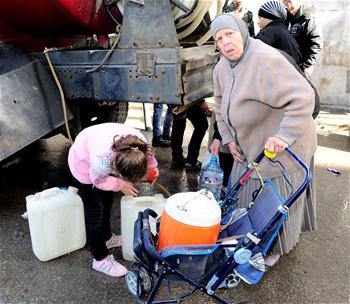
(146, 280)
(131, 283)
(232, 280)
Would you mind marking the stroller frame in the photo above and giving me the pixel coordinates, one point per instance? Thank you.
(151, 264)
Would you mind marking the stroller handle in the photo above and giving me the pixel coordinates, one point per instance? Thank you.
(304, 184)
(250, 170)
(146, 233)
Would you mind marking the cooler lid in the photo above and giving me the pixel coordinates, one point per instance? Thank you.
(198, 209)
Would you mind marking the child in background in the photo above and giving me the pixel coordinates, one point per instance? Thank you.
(108, 158)
(161, 139)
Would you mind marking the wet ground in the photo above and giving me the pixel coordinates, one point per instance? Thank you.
(316, 271)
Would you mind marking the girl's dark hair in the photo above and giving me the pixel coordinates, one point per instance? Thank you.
(131, 158)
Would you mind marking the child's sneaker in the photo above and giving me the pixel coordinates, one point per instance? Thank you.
(114, 241)
(109, 266)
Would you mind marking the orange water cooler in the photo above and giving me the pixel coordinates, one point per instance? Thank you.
(189, 218)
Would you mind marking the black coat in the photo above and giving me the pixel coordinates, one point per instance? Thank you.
(303, 29)
(276, 34)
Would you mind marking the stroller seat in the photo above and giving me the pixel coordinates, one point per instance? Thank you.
(258, 217)
(245, 236)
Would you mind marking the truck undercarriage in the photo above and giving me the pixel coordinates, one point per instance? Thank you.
(145, 62)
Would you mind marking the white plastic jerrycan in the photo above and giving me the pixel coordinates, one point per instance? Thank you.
(56, 222)
(130, 207)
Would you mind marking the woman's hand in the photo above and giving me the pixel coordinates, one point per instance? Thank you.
(215, 147)
(275, 144)
(235, 153)
(129, 189)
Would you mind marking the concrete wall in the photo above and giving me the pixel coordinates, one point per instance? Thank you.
(332, 73)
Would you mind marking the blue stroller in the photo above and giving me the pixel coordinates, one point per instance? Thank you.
(245, 237)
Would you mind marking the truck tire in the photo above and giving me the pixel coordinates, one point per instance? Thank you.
(119, 112)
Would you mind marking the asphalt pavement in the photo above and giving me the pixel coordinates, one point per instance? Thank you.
(315, 271)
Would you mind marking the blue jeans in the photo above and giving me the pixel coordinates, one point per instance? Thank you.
(157, 115)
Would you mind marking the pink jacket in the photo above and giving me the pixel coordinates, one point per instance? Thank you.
(90, 156)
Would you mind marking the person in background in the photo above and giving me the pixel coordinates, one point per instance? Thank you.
(276, 34)
(222, 151)
(303, 28)
(161, 139)
(237, 7)
(262, 101)
(196, 114)
(104, 159)
(273, 30)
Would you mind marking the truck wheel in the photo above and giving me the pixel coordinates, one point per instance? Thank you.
(119, 112)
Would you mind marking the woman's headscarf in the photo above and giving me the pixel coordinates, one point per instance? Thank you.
(234, 22)
(273, 10)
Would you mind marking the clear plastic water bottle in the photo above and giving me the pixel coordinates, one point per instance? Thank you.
(211, 177)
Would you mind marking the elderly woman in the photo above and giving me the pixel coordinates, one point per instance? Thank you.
(262, 101)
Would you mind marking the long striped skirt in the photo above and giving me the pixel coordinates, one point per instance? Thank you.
(301, 215)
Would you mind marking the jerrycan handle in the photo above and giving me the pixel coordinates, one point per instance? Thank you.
(50, 192)
(73, 190)
(140, 200)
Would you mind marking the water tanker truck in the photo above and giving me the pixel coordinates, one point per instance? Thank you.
(83, 61)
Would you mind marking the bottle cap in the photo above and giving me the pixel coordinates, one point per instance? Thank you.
(213, 158)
